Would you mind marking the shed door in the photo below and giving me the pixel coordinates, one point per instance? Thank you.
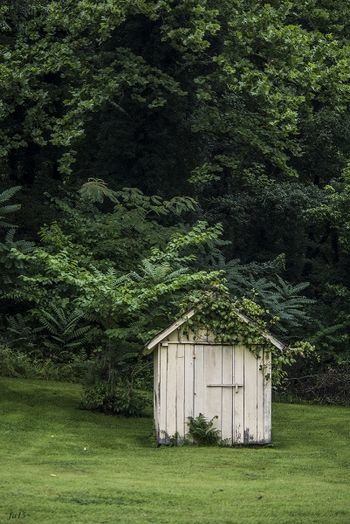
(218, 388)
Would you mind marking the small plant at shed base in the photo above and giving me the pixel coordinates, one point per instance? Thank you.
(202, 431)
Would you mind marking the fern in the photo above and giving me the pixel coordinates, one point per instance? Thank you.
(5, 208)
(20, 332)
(63, 332)
(280, 298)
(96, 190)
(202, 430)
(157, 273)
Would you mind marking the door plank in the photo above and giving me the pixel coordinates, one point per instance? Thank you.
(260, 397)
(180, 391)
(171, 391)
(267, 396)
(250, 397)
(227, 394)
(213, 375)
(163, 359)
(189, 380)
(238, 397)
(156, 389)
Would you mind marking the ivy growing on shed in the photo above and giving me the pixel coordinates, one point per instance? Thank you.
(242, 321)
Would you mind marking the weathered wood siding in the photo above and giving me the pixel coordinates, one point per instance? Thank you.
(199, 376)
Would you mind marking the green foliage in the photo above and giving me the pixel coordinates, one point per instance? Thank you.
(14, 363)
(20, 364)
(121, 303)
(5, 208)
(96, 191)
(64, 334)
(127, 307)
(66, 285)
(247, 101)
(333, 210)
(10, 266)
(20, 332)
(332, 326)
(117, 237)
(242, 321)
(119, 401)
(202, 430)
(283, 300)
(248, 77)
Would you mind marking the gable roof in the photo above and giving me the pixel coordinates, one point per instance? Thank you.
(178, 323)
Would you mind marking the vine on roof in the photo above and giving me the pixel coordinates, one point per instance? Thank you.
(219, 313)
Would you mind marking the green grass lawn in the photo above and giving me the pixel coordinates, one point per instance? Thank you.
(62, 465)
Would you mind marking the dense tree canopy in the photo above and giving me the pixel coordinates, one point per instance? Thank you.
(234, 112)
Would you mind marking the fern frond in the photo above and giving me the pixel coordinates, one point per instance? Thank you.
(9, 193)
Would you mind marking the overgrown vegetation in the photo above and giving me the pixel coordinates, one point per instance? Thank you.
(166, 150)
(120, 400)
(16, 364)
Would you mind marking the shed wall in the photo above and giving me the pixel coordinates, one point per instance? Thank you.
(193, 377)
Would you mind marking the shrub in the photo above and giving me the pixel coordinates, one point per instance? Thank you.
(14, 363)
(202, 431)
(120, 400)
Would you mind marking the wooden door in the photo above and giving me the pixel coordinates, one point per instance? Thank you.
(216, 380)
(218, 388)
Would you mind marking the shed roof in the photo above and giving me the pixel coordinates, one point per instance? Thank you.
(178, 323)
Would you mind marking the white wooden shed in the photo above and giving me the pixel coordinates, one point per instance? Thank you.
(193, 374)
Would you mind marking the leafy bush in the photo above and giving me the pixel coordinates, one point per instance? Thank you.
(202, 431)
(14, 363)
(68, 282)
(125, 401)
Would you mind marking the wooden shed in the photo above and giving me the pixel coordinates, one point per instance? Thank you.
(193, 374)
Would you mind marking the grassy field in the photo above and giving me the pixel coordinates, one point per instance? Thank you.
(62, 465)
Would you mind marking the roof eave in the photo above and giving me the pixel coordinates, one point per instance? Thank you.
(178, 323)
(166, 332)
